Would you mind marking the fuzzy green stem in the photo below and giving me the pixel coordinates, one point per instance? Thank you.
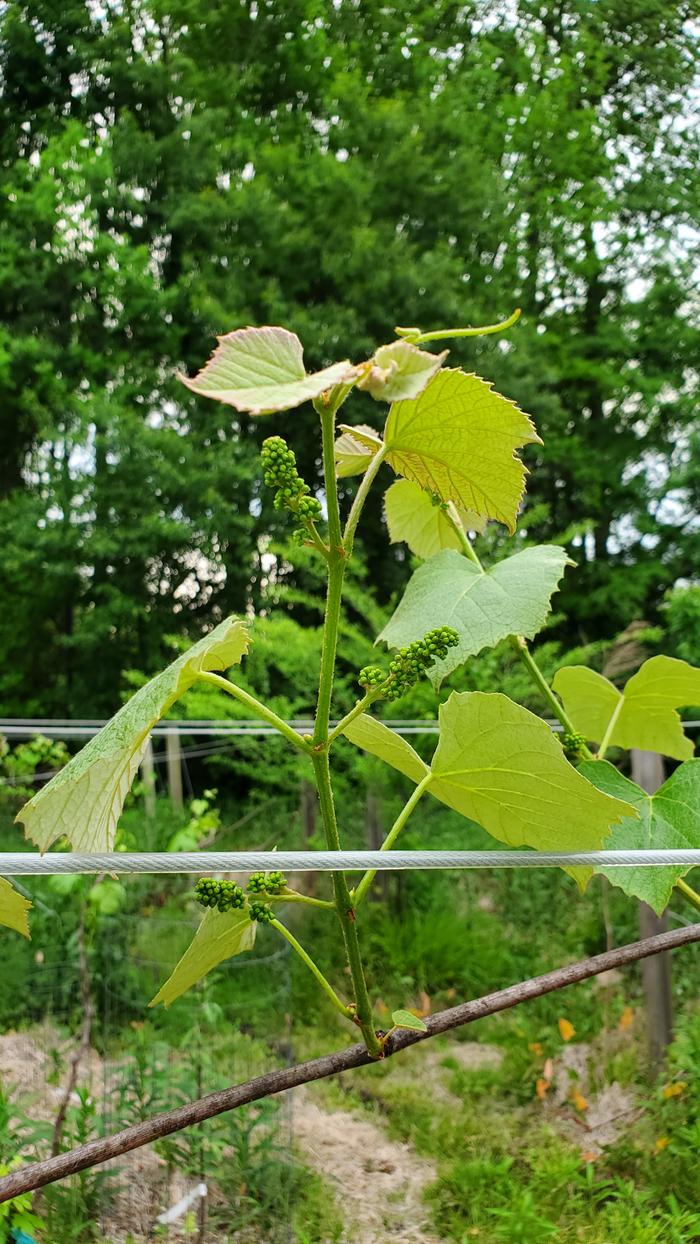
(326, 986)
(689, 893)
(257, 708)
(322, 773)
(359, 893)
(415, 337)
(344, 907)
(360, 498)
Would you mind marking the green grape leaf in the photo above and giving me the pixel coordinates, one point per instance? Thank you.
(501, 766)
(413, 516)
(406, 1019)
(667, 820)
(642, 716)
(458, 440)
(13, 909)
(83, 802)
(262, 370)
(355, 449)
(221, 935)
(483, 606)
(498, 764)
(400, 372)
(373, 736)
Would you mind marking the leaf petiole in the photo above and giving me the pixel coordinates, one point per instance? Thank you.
(326, 986)
(359, 893)
(688, 893)
(258, 708)
(360, 498)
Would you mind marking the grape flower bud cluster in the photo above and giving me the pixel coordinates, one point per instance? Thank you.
(224, 895)
(292, 493)
(574, 745)
(266, 883)
(409, 663)
(261, 912)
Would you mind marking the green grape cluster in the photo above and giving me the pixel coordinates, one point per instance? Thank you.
(266, 883)
(292, 493)
(260, 912)
(574, 745)
(225, 895)
(409, 663)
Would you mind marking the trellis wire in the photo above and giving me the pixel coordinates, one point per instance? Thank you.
(24, 864)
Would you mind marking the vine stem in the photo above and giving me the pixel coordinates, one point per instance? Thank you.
(257, 708)
(359, 893)
(326, 986)
(337, 561)
(415, 337)
(38, 1174)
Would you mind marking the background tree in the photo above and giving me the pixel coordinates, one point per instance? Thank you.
(170, 171)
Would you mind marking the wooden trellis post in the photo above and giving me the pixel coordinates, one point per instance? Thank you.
(148, 777)
(648, 772)
(174, 762)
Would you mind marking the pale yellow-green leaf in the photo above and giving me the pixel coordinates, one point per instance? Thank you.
(355, 449)
(374, 737)
(500, 765)
(458, 440)
(400, 371)
(668, 820)
(220, 936)
(84, 801)
(13, 909)
(643, 715)
(412, 515)
(262, 370)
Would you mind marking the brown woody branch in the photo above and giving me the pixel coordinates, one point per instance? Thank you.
(40, 1173)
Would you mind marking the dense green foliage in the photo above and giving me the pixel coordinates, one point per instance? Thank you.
(169, 172)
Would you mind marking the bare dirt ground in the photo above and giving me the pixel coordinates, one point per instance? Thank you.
(377, 1182)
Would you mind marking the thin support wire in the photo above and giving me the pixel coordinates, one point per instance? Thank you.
(24, 864)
